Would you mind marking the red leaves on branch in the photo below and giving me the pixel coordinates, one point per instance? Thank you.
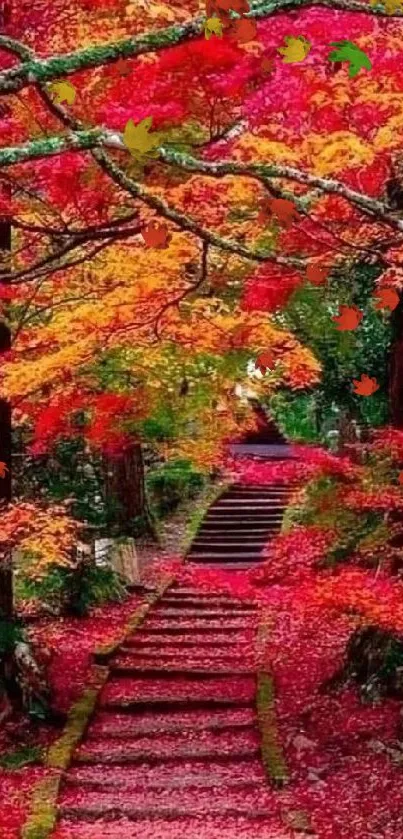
(270, 287)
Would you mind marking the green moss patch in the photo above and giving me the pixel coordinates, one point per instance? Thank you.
(43, 810)
(272, 754)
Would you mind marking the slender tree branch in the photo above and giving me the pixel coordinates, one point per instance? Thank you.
(192, 288)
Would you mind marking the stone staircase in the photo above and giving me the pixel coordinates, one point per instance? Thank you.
(238, 525)
(173, 747)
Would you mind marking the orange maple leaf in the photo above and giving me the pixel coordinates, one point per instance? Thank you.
(317, 274)
(365, 386)
(156, 235)
(400, 477)
(348, 318)
(388, 298)
(243, 30)
(264, 361)
(3, 469)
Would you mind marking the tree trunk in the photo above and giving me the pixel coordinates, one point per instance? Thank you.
(396, 368)
(125, 493)
(6, 577)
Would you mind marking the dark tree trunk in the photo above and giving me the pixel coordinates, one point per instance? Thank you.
(396, 368)
(6, 579)
(125, 493)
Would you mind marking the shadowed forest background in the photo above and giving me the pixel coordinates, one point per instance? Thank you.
(129, 368)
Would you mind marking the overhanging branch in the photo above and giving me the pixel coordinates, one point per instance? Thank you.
(34, 70)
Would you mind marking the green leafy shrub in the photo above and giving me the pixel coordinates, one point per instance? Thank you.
(70, 590)
(295, 415)
(175, 481)
(21, 757)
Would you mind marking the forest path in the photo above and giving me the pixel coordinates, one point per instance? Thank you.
(174, 745)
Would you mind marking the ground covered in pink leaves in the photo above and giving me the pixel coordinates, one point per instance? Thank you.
(69, 643)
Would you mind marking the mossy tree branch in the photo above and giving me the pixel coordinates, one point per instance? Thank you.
(36, 70)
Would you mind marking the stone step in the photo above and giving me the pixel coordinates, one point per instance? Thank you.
(122, 755)
(231, 566)
(135, 812)
(109, 725)
(252, 515)
(249, 502)
(142, 639)
(205, 603)
(179, 804)
(243, 556)
(195, 654)
(225, 547)
(239, 827)
(163, 611)
(101, 780)
(248, 531)
(181, 686)
(169, 703)
(177, 746)
(120, 669)
(165, 776)
(227, 828)
(167, 628)
(226, 521)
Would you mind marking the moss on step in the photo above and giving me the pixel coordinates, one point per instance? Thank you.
(272, 753)
(43, 815)
(60, 753)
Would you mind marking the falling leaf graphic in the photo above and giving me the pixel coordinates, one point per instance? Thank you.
(317, 274)
(213, 26)
(296, 49)
(217, 7)
(63, 92)
(365, 386)
(390, 6)
(400, 477)
(264, 361)
(347, 51)
(349, 317)
(388, 298)
(284, 209)
(266, 65)
(3, 469)
(243, 30)
(138, 139)
(122, 67)
(156, 235)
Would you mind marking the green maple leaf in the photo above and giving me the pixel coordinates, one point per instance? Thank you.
(347, 51)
